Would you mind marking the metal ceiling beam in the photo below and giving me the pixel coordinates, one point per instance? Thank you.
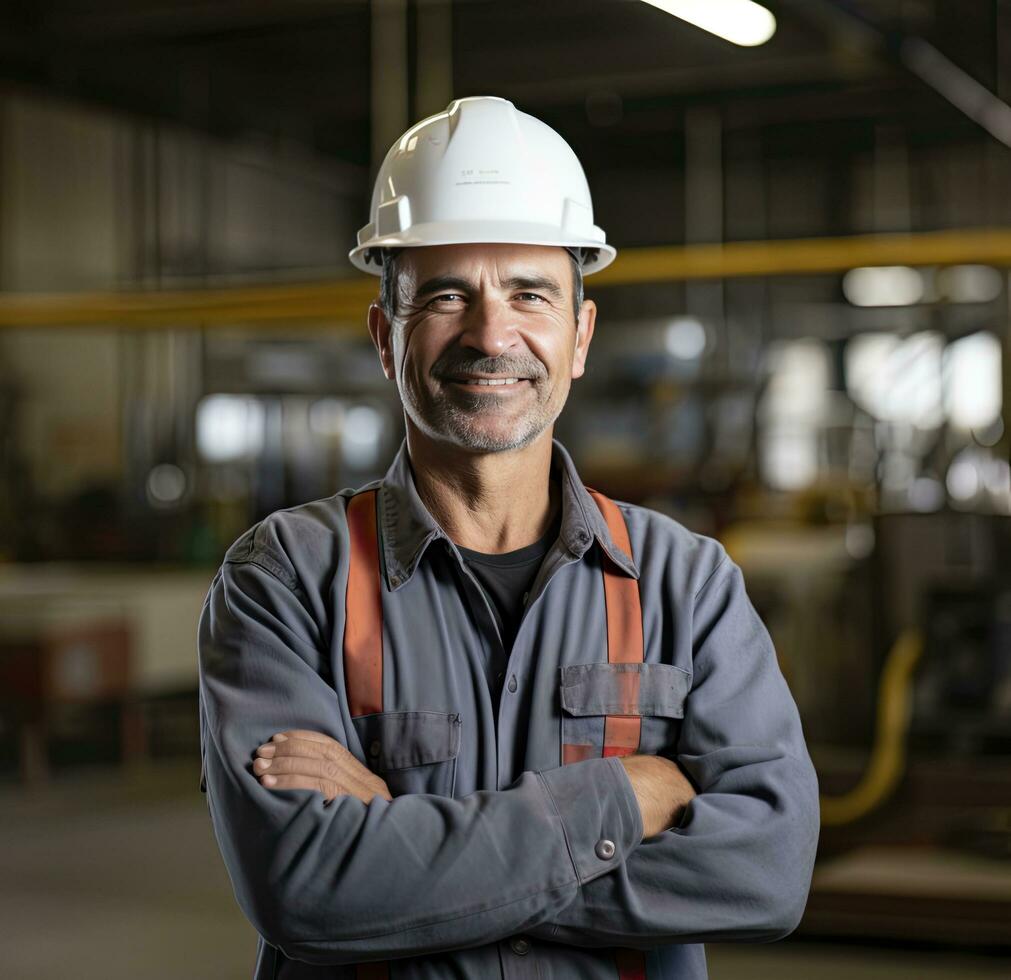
(920, 58)
(161, 21)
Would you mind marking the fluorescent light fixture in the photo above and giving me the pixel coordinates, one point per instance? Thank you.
(886, 285)
(741, 22)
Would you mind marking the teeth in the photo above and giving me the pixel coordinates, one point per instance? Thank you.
(493, 381)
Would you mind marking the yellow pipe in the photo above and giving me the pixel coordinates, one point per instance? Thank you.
(888, 754)
(341, 303)
(989, 246)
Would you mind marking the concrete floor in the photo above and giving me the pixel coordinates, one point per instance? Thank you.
(116, 876)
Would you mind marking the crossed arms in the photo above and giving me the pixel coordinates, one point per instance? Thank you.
(367, 877)
(314, 761)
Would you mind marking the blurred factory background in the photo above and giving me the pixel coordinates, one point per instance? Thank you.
(802, 349)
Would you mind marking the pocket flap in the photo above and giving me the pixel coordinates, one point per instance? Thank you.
(624, 689)
(403, 739)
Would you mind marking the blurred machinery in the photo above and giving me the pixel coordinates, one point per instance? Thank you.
(899, 656)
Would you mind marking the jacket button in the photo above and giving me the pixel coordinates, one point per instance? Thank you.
(604, 849)
(374, 748)
(512, 684)
(520, 946)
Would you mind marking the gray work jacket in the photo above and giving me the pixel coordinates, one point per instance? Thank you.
(491, 860)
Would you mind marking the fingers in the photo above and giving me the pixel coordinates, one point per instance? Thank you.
(323, 771)
(328, 790)
(326, 766)
(304, 733)
(300, 747)
(330, 750)
(298, 781)
(304, 765)
(341, 761)
(315, 774)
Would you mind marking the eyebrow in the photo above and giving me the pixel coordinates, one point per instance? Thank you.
(439, 283)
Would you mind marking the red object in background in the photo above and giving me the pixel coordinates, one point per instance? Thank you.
(84, 665)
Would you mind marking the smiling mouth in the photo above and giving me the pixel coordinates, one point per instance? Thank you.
(488, 382)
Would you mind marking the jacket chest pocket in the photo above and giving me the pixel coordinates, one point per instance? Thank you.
(413, 751)
(650, 693)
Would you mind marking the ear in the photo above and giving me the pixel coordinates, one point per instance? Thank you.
(584, 334)
(380, 331)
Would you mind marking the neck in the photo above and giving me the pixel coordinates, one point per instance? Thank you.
(487, 502)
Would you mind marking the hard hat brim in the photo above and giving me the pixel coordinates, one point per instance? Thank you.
(480, 232)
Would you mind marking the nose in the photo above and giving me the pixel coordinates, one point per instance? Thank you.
(490, 327)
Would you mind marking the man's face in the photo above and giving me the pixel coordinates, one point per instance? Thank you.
(484, 346)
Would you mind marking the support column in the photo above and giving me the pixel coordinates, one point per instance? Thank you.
(389, 76)
(433, 86)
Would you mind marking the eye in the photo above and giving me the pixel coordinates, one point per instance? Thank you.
(531, 297)
(443, 298)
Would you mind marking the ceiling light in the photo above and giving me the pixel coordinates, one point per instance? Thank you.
(887, 285)
(738, 21)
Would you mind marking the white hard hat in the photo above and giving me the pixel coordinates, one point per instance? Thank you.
(481, 172)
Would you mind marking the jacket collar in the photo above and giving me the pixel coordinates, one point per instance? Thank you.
(407, 528)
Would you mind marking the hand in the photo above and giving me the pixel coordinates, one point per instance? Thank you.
(299, 759)
(662, 789)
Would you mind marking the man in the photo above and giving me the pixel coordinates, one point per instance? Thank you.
(476, 720)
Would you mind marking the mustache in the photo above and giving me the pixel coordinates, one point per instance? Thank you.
(456, 362)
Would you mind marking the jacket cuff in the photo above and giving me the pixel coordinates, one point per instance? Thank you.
(599, 813)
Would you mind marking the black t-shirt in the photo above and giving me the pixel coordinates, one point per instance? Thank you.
(507, 578)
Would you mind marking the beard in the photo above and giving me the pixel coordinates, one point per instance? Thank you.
(485, 422)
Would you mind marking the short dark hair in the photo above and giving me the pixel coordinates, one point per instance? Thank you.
(388, 283)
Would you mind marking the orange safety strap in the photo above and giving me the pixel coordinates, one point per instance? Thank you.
(363, 611)
(623, 609)
(363, 636)
(363, 657)
(624, 636)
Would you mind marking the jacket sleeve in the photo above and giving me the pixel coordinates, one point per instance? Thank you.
(739, 865)
(347, 881)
